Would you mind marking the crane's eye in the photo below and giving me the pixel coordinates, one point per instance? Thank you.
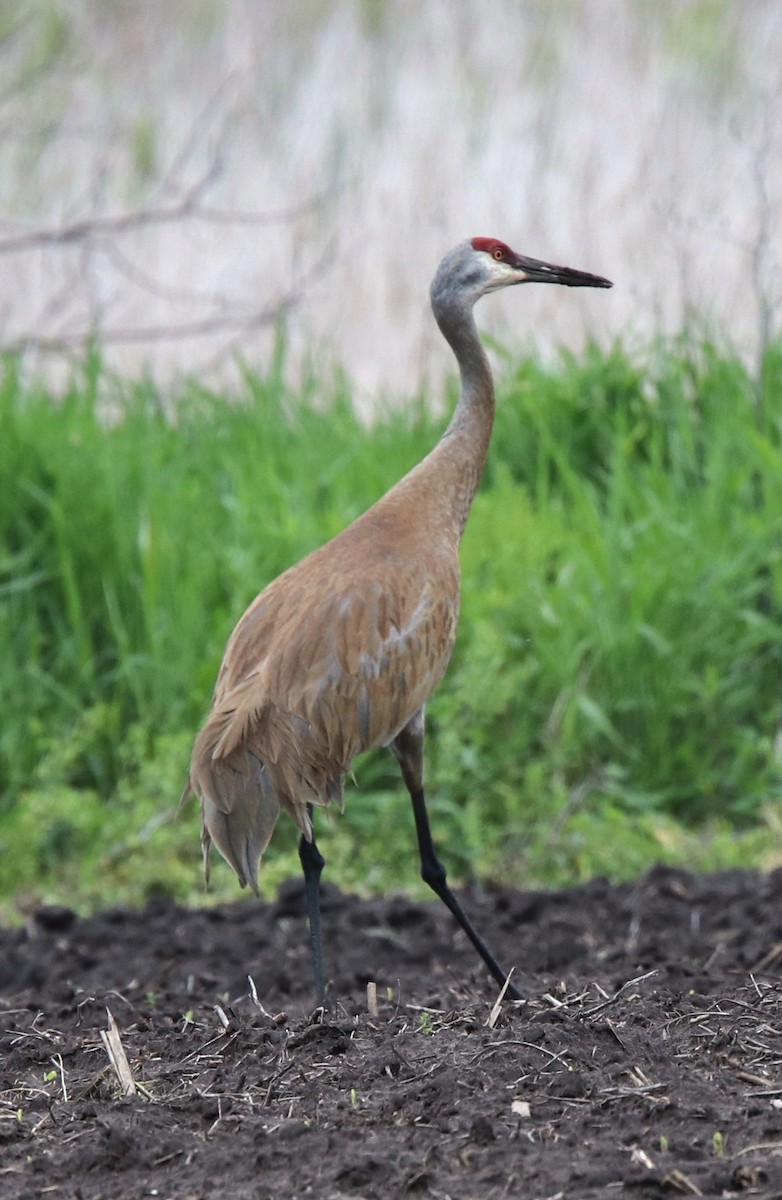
(498, 254)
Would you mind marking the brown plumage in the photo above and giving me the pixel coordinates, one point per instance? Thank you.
(339, 654)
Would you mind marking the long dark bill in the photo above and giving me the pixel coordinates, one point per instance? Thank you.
(541, 272)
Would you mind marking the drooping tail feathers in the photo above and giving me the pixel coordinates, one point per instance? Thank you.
(239, 810)
(243, 788)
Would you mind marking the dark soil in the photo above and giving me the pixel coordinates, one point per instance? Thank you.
(647, 1060)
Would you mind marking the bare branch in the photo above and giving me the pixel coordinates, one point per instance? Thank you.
(186, 208)
(148, 333)
(90, 297)
(237, 321)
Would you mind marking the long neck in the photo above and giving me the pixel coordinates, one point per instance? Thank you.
(438, 493)
(473, 416)
(461, 453)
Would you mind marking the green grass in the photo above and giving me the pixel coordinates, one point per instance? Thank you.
(615, 693)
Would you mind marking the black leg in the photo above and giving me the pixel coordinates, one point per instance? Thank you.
(433, 873)
(312, 862)
(408, 748)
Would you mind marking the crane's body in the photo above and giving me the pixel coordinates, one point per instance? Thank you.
(332, 659)
(340, 653)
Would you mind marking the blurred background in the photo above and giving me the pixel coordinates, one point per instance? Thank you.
(173, 176)
(218, 224)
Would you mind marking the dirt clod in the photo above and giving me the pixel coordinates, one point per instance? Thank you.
(645, 1062)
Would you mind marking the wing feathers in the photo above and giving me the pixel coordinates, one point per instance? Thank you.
(313, 675)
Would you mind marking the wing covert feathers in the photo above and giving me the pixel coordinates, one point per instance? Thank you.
(332, 659)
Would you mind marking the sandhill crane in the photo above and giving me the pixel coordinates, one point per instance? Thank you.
(340, 653)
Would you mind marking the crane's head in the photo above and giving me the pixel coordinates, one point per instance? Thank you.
(485, 264)
(503, 267)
